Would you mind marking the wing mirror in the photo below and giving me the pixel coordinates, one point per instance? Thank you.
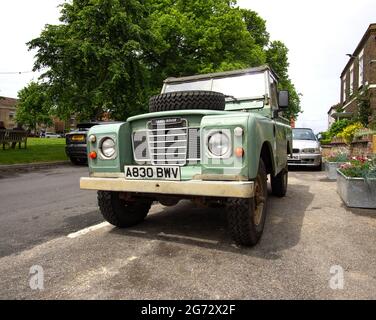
(283, 99)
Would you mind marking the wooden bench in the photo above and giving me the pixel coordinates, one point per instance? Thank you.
(12, 137)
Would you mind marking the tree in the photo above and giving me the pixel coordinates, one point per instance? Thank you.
(364, 111)
(277, 58)
(33, 107)
(94, 58)
(112, 55)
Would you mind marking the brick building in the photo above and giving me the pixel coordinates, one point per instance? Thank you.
(359, 72)
(8, 112)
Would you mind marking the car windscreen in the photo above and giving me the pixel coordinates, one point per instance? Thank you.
(303, 134)
(239, 87)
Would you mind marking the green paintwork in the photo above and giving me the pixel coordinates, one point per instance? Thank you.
(260, 129)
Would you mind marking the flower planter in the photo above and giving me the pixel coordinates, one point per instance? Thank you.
(331, 169)
(356, 192)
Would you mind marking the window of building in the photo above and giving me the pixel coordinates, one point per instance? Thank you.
(344, 89)
(361, 68)
(351, 91)
(11, 115)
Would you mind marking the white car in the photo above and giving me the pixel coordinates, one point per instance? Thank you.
(51, 135)
(306, 149)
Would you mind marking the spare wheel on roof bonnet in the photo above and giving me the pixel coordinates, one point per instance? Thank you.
(184, 100)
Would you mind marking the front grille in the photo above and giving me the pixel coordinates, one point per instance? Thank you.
(167, 142)
(295, 151)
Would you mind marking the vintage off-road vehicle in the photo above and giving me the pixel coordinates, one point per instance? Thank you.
(209, 138)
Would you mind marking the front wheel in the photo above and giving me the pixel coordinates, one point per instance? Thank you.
(246, 217)
(279, 183)
(122, 213)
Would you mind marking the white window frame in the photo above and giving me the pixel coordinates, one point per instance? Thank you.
(361, 68)
(351, 89)
(344, 88)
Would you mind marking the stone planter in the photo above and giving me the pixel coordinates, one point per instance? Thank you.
(331, 169)
(356, 192)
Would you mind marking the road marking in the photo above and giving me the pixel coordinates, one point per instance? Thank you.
(87, 230)
(162, 234)
(137, 231)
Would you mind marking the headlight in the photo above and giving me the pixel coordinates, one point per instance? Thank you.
(108, 147)
(311, 150)
(219, 144)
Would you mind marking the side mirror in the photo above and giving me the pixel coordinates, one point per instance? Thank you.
(283, 100)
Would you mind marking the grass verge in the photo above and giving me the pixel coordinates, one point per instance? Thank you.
(38, 150)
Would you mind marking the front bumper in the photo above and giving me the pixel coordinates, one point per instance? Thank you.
(221, 189)
(311, 160)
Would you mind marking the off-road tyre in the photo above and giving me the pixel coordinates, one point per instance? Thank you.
(279, 183)
(78, 161)
(246, 217)
(187, 100)
(121, 213)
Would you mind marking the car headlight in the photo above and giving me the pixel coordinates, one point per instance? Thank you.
(219, 144)
(311, 150)
(108, 147)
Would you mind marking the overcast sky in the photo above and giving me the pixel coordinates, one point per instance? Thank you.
(318, 34)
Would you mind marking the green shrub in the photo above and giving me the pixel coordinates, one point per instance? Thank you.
(338, 127)
(348, 133)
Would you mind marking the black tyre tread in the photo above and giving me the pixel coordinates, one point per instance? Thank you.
(118, 215)
(279, 189)
(240, 221)
(186, 100)
(78, 161)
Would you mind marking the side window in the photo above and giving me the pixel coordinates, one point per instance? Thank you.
(273, 93)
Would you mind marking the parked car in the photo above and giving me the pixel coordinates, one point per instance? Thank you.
(306, 149)
(212, 139)
(50, 135)
(75, 142)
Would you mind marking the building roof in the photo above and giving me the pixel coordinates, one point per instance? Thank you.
(221, 74)
(8, 102)
(333, 107)
(371, 29)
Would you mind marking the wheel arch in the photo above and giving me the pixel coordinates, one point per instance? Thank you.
(266, 154)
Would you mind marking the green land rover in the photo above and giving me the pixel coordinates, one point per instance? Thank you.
(211, 138)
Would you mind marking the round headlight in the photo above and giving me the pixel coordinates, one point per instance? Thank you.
(108, 147)
(219, 144)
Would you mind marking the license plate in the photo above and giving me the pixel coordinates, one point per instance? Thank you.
(294, 158)
(152, 173)
(78, 138)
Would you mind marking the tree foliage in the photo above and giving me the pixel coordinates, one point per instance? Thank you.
(112, 55)
(364, 110)
(34, 106)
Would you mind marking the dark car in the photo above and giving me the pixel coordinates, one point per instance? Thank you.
(76, 143)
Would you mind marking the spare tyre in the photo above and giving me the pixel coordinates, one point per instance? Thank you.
(183, 100)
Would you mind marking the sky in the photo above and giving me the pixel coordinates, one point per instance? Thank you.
(318, 34)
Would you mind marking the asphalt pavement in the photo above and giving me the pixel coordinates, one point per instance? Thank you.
(181, 252)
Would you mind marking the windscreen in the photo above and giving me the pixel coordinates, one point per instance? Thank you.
(303, 134)
(238, 86)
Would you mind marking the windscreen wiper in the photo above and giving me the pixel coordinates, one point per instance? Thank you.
(233, 98)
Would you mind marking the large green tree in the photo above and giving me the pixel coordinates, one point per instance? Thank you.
(112, 55)
(34, 106)
(93, 58)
